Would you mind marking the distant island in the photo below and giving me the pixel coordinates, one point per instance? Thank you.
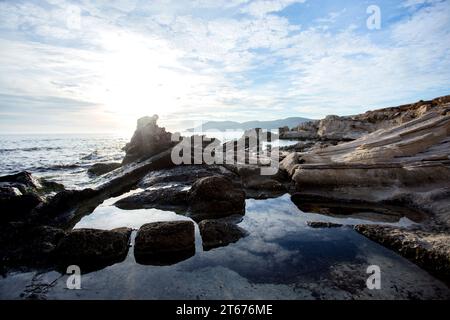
(233, 125)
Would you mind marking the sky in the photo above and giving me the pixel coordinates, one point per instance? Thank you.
(97, 66)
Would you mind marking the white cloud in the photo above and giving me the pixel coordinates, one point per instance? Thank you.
(201, 60)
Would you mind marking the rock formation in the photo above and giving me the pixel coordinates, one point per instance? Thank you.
(164, 243)
(148, 140)
(397, 156)
(215, 197)
(431, 251)
(353, 127)
(92, 249)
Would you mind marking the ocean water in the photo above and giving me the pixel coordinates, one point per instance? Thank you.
(61, 158)
(65, 158)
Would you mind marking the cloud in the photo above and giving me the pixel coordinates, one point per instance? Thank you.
(235, 60)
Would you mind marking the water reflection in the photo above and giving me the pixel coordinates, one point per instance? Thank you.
(281, 258)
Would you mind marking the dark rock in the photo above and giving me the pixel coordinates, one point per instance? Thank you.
(184, 174)
(99, 169)
(93, 249)
(22, 245)
(214, 197)
(148, 140)
(61, 203)
(164, 243)
(14, 205)
(127, 177)
(23, 181)
(219, 233)
(430, 251)
(170, 198)
(21, 193)
(319, 224)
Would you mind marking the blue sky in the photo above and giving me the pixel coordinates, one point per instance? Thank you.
(96, 66)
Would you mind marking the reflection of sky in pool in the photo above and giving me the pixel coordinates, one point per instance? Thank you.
(280, 258)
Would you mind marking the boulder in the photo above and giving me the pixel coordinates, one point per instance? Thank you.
(25, 246)
(164, 243)
(23, 180)
(21, 193)
(215, 196)
(148, 140)
(219, 233)
(99, 169)
(343, 128)
(16, 206)
(172, 198)
(93, 249)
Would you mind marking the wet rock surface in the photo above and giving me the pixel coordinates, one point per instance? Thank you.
(215, 197)
(429, 250)
(92, 249)
(164, 243)
(16, 206)
(166, 198)
(99, 169)
(31, 246)
(184, 174)
(21, 193)
(220, 233)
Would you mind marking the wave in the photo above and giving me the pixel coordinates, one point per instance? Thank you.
(30, 149)
(59, 167)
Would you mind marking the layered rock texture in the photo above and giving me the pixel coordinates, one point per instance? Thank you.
(395, 156)
(353, 127)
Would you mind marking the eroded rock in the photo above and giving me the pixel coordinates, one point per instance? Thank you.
(93, 249)
(215, 197)
(431, 251)
(164, 243)
(28, 246)
(148, 140)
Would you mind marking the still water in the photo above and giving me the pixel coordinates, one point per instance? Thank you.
(281, 258)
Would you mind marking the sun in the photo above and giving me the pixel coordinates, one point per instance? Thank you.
(141, 76)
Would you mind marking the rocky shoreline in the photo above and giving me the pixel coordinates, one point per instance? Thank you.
(393, 162)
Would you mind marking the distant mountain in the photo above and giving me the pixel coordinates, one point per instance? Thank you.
(232, 125)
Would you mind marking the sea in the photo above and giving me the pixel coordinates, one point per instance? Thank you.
(65, 158)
